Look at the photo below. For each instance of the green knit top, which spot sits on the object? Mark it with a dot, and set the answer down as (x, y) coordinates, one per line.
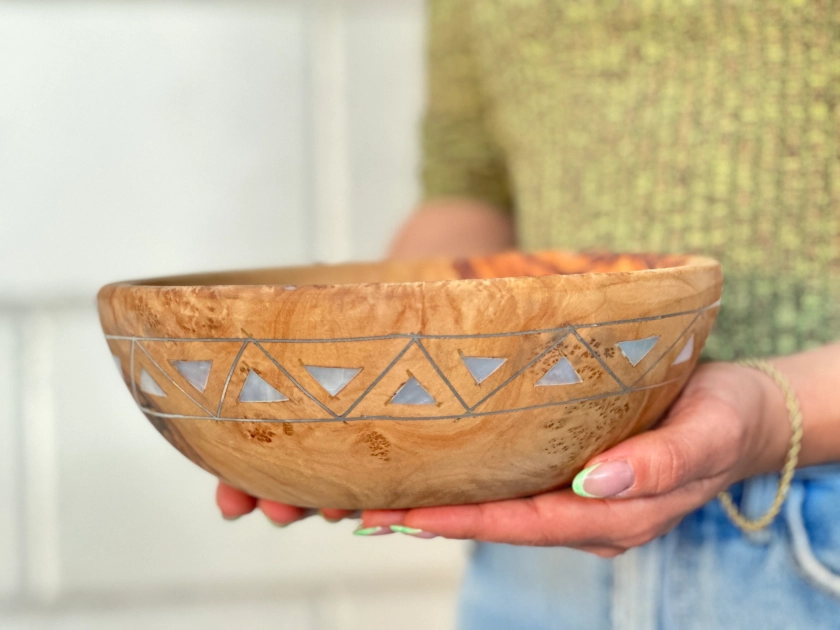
(705, 126)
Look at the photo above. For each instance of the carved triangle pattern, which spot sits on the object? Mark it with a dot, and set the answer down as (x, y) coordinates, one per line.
(256, 390)
(332, 379)
(482, 368)
(562, 373)
(567, 370)
(339, 374)
(149, 385)
(633, 351)
(201, 372)
(406, 376)
(259, 388)
(412, 393)
(501, 359)
(686, 353)
(195, 372)
(121, 353)
(637, 349)
(412, 386)
(155, 390)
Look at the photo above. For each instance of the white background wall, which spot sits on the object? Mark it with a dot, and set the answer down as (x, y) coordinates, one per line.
(141, 138)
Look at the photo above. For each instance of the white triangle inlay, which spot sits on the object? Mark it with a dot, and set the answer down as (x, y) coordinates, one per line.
(636, 350)
(412, 393)
(196, 372)
(256, 390)
(482, 367)
(561, 373)
(148, 385)
(686, 353)
(332, 379)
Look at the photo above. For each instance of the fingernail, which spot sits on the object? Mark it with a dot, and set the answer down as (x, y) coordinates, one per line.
(327, 518)
(231, 518)
(604, 480)
(276, 524)
(412, 531)
(372, 531)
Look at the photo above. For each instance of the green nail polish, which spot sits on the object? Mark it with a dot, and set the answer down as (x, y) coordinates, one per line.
(577, 484)
(412, 531)
(402, 529)
(371, 531)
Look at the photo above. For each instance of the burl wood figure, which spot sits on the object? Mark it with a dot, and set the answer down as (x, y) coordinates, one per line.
(415, 383)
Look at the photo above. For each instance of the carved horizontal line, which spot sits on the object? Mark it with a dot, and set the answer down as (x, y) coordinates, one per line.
(417, 336)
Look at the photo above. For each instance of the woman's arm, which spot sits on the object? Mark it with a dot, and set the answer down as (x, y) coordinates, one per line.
(815, 376)
(453, 227)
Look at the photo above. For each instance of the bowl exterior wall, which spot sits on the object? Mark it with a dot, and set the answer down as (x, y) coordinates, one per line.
(391, 396)
(402, 464)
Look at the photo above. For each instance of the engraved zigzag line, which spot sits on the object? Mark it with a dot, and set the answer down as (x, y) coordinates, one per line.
(598, 358)
(229, 376)
(379, 378)
(292, 379)
(443, 376)
(413, 338)
(522, 370)
(671, 347)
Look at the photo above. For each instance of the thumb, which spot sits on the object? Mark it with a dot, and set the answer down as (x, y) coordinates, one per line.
(686, 448)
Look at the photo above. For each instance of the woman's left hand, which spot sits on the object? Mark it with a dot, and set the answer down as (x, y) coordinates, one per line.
(728, 424)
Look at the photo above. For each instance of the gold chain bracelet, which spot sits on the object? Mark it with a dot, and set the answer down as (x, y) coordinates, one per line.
(795, 414)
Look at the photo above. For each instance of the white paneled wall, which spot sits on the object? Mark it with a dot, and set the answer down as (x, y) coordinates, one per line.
(143, 138)
(11, 566)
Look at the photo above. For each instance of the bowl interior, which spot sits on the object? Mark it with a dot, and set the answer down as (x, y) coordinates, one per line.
(504, 265)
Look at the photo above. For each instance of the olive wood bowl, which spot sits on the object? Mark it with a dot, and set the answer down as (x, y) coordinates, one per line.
(401, 384)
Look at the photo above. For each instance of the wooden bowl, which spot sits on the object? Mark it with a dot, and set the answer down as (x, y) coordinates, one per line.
(414, 383)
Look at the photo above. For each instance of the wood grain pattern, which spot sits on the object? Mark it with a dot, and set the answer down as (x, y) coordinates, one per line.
(503, 437)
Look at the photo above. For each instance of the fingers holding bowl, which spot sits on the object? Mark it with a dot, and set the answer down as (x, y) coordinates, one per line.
(233, 503)
(282, 515)
(332, 515)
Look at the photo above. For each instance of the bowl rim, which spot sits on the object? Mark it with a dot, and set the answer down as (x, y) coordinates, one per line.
(193, 283)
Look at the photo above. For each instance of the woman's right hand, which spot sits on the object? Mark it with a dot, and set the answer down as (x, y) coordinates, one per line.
(234, 503)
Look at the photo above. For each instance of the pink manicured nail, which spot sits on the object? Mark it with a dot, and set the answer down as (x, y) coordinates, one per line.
(604, 480)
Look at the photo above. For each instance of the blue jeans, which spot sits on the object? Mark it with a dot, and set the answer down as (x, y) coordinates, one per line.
(703, 575)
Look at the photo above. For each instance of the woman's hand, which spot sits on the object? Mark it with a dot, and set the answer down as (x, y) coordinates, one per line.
(729, 423)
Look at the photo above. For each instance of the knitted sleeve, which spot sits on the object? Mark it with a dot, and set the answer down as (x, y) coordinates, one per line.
(460, 156)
